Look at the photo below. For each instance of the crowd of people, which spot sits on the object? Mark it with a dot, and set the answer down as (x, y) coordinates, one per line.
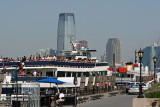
(48, 58)
(31, 58)
(33, 73)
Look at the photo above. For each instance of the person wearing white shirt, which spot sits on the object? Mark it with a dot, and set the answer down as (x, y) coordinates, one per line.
(61, 98)
(54, 58)
(34, 73)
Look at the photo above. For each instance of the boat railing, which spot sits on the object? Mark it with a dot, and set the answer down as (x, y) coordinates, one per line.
(46, 63)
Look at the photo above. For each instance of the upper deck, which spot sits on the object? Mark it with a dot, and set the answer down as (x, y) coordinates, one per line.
(50, 63)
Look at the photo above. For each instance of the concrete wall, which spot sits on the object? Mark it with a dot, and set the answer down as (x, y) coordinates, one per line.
(146, 102)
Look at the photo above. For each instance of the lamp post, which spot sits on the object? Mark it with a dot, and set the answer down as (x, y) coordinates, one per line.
(154, 60)
(75, 83)
(140, 54)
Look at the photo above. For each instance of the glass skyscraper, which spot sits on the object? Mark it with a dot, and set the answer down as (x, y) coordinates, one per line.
(113, 47)
(65, 32)
(149, 53)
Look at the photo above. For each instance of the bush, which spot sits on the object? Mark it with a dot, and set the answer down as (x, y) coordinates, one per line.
(153, 92)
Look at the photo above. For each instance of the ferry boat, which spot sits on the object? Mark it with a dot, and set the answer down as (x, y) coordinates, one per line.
(73, 66)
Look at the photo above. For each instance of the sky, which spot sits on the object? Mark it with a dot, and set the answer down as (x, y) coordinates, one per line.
(29, 25)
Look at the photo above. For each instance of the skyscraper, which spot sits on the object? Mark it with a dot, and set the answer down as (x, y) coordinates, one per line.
(66, 32)
(149, 53)
(113, 47)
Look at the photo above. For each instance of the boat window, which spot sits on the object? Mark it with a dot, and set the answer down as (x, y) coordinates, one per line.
(49, 74)
(102, 73)
(105, 72)
(74, 74)
(102, 64)
(86, 74)
(79, 74)
(94, 73)
(68, 74)
(61, 74)
(84, 54)
(29, 74)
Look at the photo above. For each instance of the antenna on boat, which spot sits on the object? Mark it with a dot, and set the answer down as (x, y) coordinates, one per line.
(73, 45)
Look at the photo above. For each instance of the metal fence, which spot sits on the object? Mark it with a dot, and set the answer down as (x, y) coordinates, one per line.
(28, 96)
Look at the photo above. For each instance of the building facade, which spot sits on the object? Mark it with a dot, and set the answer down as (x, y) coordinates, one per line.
(113, 47)
(149, 53)
(66, 32)
(41, 52)
(81, 44)
(103, 58)
(50, 52)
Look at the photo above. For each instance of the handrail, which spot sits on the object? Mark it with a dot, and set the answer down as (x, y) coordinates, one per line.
(34, 63)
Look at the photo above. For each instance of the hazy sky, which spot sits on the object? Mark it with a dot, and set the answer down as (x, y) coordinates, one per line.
(29, 25)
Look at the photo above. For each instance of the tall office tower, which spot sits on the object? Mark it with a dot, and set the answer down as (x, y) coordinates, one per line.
(149, 53)
(81, 43)
(113, 47)
(66, 32)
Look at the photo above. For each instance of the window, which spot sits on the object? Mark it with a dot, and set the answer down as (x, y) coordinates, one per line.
(86, 74)
(49, 74)
(61, 74)
(68, 74)
(79, 74)
(74, 74)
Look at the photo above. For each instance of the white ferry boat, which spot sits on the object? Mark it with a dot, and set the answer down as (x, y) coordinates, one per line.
(81, 64)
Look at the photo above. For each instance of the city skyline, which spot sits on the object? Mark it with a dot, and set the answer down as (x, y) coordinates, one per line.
(27, 26)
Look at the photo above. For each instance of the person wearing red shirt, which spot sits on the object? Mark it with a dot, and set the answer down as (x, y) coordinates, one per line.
(106, 85)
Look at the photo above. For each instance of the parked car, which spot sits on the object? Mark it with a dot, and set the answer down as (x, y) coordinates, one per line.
(133, 89)
(130, 84)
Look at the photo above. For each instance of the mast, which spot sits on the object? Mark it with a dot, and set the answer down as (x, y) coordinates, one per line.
(135, 57)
